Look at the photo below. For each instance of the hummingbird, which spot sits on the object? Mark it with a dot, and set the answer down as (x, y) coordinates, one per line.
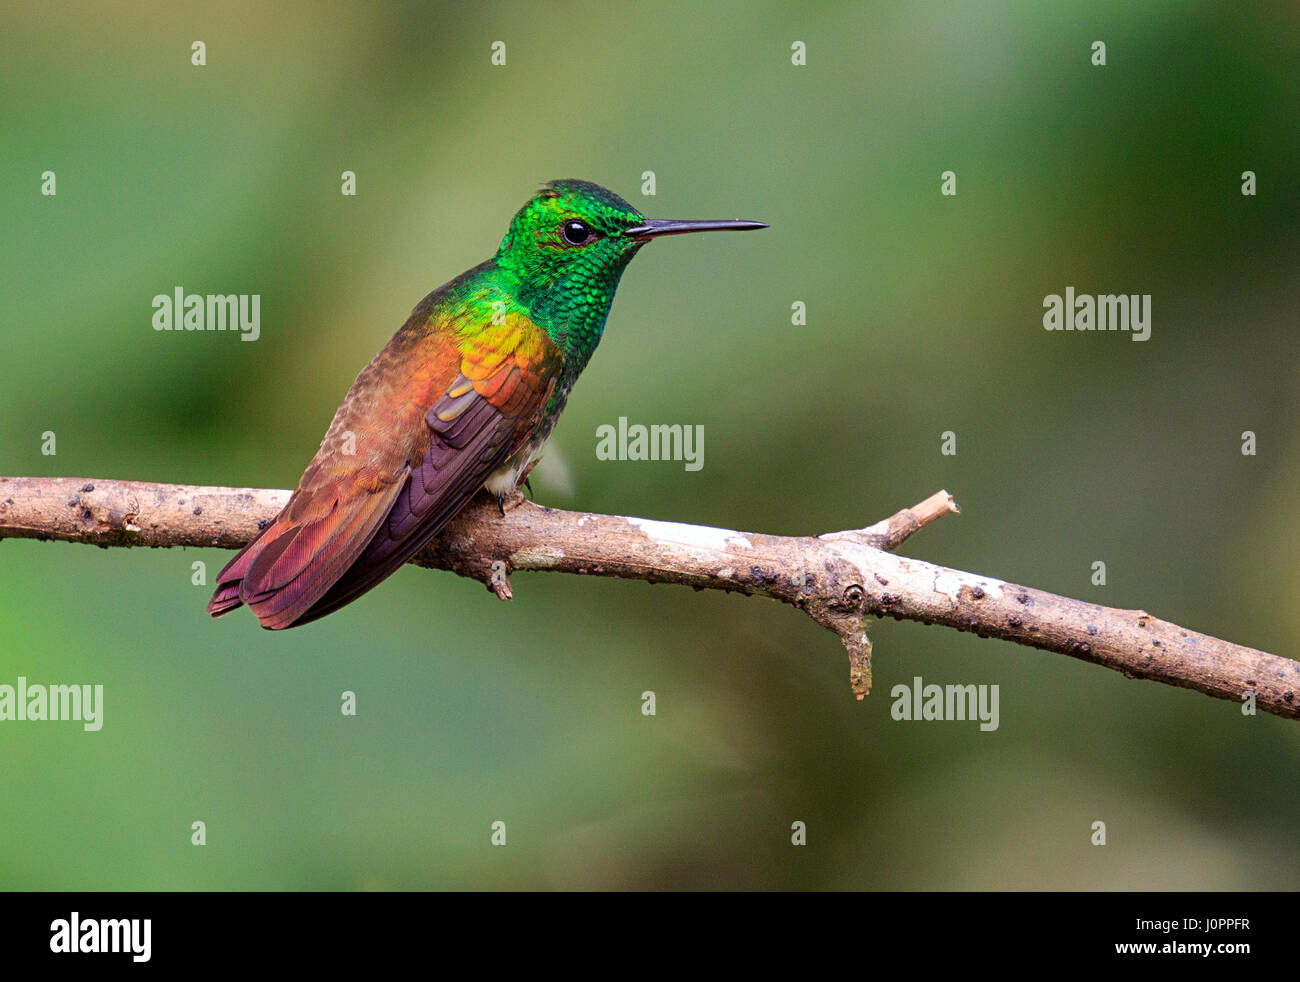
(461, 398)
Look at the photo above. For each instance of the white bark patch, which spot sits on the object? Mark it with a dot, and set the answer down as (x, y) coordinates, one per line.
(695, 536)
(903, 574)
(879, 528)
(948, 583)
(538, 558)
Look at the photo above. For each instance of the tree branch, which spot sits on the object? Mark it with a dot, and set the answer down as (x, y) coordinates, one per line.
(839, 579)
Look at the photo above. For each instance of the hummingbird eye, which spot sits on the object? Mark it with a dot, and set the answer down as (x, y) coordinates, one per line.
(576, 232)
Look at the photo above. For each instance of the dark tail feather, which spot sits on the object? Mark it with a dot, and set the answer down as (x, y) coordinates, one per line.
(225, 600)
(298, 557)
(226, 597)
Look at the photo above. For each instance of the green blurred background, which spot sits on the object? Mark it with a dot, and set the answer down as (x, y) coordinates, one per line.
(924, 315)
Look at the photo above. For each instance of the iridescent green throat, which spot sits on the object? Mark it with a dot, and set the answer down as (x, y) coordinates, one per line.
(563, 287)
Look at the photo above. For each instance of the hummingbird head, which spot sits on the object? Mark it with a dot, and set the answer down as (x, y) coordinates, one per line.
(569, 245)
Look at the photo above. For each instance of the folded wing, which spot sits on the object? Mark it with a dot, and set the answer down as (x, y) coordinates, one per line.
(355, 519)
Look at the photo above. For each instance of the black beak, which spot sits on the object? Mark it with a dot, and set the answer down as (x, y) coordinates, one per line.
(652, 228)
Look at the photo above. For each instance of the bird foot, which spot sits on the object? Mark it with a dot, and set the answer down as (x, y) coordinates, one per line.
(508, 501)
